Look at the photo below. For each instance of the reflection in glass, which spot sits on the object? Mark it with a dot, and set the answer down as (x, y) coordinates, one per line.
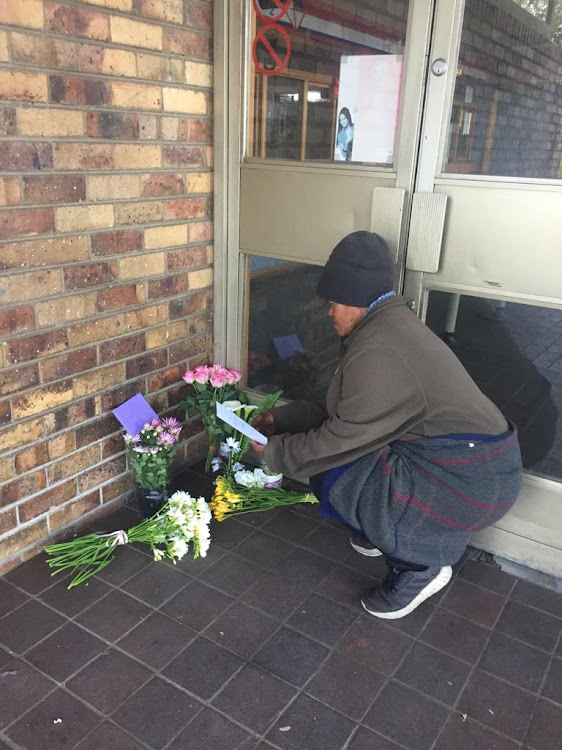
(507, 107)
(514, 353)
(345, 57)
(292, 344)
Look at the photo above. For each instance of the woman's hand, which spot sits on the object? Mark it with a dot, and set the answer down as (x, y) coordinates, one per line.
(265, 424)
(258, 447)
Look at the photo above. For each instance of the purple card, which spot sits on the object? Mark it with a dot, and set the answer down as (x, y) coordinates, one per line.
(286, 346)
(135, 413)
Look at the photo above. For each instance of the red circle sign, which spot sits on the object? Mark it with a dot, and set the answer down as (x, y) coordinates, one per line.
(283, 6)
(280, 63)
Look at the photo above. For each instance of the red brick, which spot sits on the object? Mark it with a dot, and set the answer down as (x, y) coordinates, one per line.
(74, 90)
(179, 308)
(18, 379)
(183, 350)
(114, 243)
(22, 156)
(164, 184)
(112, 446)
(25, 222)
(147, 363)
(187, 43)
(46, 500)
(99, 474)
(68, 364)
(70, 416)
(83, 156)
(8, 521)
(200, 130)
(201, 231)
(16, 320)
(159, 380)
(8, 122)
(54, 189)
(200, 324)
(183, 156)
(119, 297)
(187, 257)
(31, 458)
(79, 22)
(5, 413)
(117, 396)
(44, 52)
(93, 431)
(199, 15)
(23, 538)
(185, 208)
(121, 348)
(112, 125)
(93, 274)
(168, 287)
(21, 488)
(33, 347)
(73, 464)
(74, 511)
(119, 486)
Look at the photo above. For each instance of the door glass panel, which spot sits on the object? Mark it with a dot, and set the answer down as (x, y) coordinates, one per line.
(334, 95)
(514, 353)
(291, 343)
(506, 115)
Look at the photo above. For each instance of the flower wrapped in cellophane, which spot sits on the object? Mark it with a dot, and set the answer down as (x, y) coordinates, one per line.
(181, 522)
(231, 498)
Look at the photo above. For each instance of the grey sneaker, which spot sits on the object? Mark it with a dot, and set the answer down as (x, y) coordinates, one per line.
(404, 590)
(362, 545)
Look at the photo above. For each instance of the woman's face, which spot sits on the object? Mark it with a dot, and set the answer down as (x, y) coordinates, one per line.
(344, 122)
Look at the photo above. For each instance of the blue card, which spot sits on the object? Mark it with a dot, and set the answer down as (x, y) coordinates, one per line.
(135, 413)
(286, 346)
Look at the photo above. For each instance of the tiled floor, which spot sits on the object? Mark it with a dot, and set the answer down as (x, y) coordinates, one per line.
(263, 645)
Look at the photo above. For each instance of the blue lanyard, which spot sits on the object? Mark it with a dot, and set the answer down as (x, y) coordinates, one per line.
(378, 301)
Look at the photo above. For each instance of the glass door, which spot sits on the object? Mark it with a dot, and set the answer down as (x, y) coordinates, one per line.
(488, 275)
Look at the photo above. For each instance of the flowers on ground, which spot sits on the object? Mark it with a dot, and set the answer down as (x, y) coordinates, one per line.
(151, 452)
(182, 521)
(231, 499)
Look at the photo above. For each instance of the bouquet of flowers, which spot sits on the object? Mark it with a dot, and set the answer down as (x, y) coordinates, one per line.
(184, 520)
(231, 498)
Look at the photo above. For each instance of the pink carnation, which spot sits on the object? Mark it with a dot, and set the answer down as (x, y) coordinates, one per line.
(201, 374)
(188, 376)
(233, 376)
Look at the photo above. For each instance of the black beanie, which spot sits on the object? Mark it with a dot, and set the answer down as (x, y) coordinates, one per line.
(358, 271)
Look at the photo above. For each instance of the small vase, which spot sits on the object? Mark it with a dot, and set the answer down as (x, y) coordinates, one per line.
(150, 501)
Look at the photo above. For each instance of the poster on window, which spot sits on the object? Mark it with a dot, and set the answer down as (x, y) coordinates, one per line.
(368, 99)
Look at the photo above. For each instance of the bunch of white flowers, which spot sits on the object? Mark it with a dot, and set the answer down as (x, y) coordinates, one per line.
(257, 478)
(190, 518)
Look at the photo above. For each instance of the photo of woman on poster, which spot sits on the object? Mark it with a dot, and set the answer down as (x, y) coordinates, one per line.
(344, 141)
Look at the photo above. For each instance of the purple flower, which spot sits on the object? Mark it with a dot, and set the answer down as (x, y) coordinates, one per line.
(238, 466)
(164, 438)
(156, 422)
(215, 464)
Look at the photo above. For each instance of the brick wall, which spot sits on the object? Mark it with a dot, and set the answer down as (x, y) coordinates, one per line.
(105, 244)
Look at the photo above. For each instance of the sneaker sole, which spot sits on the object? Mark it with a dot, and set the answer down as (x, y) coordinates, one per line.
(439, 582)
(367, 552)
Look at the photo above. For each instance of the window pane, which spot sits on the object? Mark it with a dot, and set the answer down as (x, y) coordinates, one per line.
(292, 344)
(337, 97)
(514, 353)
(506, 116)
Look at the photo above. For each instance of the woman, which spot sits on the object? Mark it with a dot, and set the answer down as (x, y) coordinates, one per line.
(406, 450)
(345, 134)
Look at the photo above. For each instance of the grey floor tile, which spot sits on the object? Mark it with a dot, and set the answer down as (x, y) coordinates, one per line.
(365, 739)
(156, 640)
(374, 567)
(197, 605)
(539, 597)
(156, 713)
(70, 602)
(20, 688)
(256, 520)
(209, 730)
(195, 566)
(455, 635)
(552, 688)
(290, 526)
(291, 656)
(254, 698)
(127, 563)
(109, 680)
(305, 568)
(544, 731)
(416, 621)
(34, 575)
(156, 583)
(65, 652)
(329, 542)
(346, 587)
(406, 716)
(22, 628)
(242, 630)
(202, 668)
(515, 662)
(264, 550)
(275, 595)
(473, 602)
(434, 673)
(232, 574)
(322, 619)
(346, 685)
(10, 597)
(530, 625)
(113, 615)
(40, 727)
(372, 643)
(229, 533)
(499, 705)
(487, 576)
(467, 734)
(313, 726)
(109, 737)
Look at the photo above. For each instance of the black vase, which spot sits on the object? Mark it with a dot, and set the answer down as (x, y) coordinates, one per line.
(150, 501)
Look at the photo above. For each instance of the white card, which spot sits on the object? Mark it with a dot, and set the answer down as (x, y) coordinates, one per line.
(238, 423)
